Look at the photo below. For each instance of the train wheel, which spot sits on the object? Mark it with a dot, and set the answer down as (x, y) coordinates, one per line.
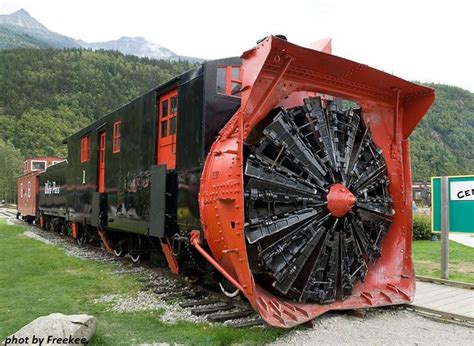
(136, 249)
(81, 239)
(194, 279)
(120, 250)
(63, 229)
(136, 258)
(231, 293)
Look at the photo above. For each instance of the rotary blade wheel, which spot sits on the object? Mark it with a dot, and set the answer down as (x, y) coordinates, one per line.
(316, 201)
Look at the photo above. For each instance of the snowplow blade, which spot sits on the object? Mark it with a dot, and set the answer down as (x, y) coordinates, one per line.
(310, 225)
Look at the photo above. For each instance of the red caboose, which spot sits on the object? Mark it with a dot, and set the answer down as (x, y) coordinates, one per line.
(28, 186)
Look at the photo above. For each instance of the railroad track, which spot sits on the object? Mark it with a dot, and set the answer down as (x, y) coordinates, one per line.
(202, 301)
(438, 313)
(451, 283)
(7, 213)
(218, 308)
(442, 315)
(214, 306)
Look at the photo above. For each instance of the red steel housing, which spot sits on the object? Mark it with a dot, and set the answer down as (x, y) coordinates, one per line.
(274, 72)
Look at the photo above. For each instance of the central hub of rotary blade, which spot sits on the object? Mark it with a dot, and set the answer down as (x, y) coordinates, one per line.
(340, 200)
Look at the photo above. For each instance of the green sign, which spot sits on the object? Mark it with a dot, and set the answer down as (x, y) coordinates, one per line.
(461, 203)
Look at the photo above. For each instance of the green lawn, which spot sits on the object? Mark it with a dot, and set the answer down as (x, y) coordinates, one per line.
(427, 258)
(38, 279)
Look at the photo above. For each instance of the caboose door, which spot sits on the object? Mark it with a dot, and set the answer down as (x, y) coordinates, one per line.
(167, 123)
(101, 163)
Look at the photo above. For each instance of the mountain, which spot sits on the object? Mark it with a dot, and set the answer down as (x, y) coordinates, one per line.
(23, 19)
(21, 30)
(138, 46)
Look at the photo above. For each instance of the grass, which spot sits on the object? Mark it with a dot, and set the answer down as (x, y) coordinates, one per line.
(427, 259)
(38, 279)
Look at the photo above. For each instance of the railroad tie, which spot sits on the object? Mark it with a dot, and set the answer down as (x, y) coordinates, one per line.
(211, 309)
(249, 323)
(200, 302)
(229, 316)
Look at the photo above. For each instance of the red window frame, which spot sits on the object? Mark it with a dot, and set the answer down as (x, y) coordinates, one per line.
(85, 149)
(116, 137)
(229, 80)
(167, 128)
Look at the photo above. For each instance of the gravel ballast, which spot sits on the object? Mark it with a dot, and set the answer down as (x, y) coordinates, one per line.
(379, 327)
(148, 301)
(145, 300)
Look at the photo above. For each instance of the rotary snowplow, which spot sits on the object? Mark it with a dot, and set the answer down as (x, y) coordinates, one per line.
(305, 199)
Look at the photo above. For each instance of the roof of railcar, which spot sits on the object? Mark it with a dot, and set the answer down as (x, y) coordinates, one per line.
(99, 121)
(160, 88)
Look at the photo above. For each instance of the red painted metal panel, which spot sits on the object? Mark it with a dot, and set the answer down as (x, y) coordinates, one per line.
(74, 230)
(28, 186)
(170, 257)
(85, 148)
(166, 127)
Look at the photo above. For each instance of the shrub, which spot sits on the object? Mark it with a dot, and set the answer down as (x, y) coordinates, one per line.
(421, 227)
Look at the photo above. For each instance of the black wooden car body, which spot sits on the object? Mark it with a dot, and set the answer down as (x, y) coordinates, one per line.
(139, 195)
(52, 192)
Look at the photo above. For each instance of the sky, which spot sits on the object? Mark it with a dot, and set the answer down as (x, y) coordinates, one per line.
(427, 41)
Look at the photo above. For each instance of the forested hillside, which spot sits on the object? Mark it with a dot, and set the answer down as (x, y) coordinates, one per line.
(48, 94)
(443, 143)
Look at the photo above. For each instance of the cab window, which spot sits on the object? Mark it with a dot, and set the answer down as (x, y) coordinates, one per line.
(229, 80)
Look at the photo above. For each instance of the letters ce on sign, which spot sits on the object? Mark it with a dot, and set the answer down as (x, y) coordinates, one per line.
(462, 191)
